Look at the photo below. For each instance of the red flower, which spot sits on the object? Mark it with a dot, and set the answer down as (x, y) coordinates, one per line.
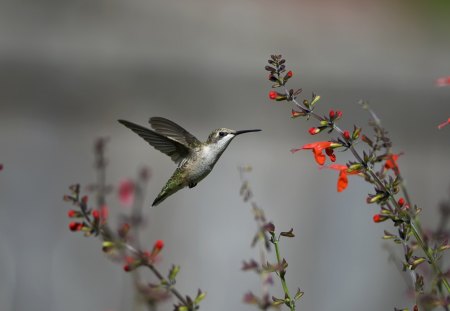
(273, 95)
(96, 214)
(317, 149)
(104, 213)
(444, 124)
(346, 135)
(378, 218)
(72, 213)
(343, 172)
(332, 114)
(391, 163)
(330, 154)
(158, 245)
(314, 130)
(75, 226)
(126, 193)
(295, 113)
(444, 81)
(290, 74)
(401, 202)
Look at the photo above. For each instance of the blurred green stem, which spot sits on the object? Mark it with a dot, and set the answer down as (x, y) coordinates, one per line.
(288, 299)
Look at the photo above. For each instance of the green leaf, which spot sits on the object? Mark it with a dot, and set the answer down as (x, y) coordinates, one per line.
(200, 297)
(288, 234)
(298, 295)
(173, 272)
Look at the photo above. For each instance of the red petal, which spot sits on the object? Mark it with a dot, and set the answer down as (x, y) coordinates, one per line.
(338, 167)
(342, 181)
(317, 145)
(319, 156)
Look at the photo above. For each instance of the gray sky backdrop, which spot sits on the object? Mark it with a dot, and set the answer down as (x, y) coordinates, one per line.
(70, 68)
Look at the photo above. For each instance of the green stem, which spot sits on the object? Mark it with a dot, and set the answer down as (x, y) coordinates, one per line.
(417, 234)
(289, 301)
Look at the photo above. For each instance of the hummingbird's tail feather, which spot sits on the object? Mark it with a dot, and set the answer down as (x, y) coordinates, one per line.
(174, 184)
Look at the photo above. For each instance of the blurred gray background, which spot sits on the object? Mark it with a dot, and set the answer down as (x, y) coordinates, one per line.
(70, 68)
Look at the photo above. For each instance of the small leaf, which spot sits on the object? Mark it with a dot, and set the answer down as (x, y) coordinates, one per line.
(277, 301)
(200, 297)
(443, 248)
(298, 295)
(173, 272)
(288, 234)
(315, 99)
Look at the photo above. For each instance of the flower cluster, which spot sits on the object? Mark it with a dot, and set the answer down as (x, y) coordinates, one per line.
(377, 165)
(266, 237)
(123, 243)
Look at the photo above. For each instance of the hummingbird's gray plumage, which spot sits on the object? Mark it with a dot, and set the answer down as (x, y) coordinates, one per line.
(195, 159)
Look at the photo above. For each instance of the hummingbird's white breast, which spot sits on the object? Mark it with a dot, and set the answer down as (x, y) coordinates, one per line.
(200, 165)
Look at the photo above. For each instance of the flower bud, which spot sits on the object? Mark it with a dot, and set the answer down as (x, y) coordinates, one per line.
(332, 114)
(378, 218)
(273, 95)
(314, 130)
(346, 135)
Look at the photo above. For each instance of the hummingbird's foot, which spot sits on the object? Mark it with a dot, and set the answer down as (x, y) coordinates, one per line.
(192, 184)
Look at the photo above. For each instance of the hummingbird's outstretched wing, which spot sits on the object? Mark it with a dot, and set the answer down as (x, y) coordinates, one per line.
(174, 149)
(174, 131)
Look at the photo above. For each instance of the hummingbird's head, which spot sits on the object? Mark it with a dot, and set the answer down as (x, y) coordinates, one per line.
(223, 136)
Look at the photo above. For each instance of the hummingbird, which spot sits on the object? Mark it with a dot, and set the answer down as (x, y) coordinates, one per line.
(195, 159)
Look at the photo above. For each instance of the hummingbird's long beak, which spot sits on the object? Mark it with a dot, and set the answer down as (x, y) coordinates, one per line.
(245, 131)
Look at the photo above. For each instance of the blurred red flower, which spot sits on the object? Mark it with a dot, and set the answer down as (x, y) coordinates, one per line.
(444, 123)
(126, 193)
(443, 81)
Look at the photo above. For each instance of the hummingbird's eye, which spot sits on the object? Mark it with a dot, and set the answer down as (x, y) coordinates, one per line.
(223, 134)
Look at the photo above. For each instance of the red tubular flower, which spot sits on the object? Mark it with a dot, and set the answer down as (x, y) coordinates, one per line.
(378, 218)
(401, 202)
(346, 135)
(75, 226)
(126, 193)
(273, 95)
(295, 113)
(314, 130)
(104, 213)
(444, 81)
(290, 74)
(332, 114)
(343, 172)
(72, 213)
(444, 124)
(158, 245)
(96, 214)
(317, 149)
(391, 163)
(330, 153)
